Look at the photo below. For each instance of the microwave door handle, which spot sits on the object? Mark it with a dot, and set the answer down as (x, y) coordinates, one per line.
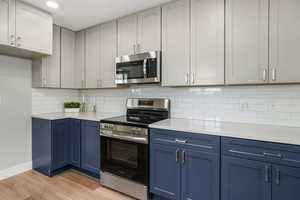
(145, 68)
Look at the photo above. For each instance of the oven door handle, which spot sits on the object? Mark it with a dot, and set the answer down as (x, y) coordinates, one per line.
(127, 138)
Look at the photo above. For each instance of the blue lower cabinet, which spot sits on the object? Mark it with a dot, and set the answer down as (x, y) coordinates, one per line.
(41, 145)
(285, 183)
(200, 175)
(245, 179)
(184, 166)
(90, 146)
(74, 142)
(165, 171)
(60, 144)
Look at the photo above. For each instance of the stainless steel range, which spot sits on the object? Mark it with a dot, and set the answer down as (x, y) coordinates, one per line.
(124, 146)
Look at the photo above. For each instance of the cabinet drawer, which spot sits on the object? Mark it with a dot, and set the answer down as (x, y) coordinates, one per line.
(202, 142)
(263, 151)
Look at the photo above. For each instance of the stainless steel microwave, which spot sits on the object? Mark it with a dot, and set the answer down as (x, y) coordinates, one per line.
(139, 68)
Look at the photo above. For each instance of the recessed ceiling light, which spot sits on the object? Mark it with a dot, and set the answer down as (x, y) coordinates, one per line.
(52, 4)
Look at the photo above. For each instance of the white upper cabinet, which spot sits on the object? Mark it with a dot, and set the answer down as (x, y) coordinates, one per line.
(92, 57)
(79, 72)
(108, 53)
(284, 41)
(149, 30)
(67, 58)
(247, 41)
(140, 32)
(46, 70)
(127, 35)
(207, 42)
(176, 43)
(6, 35)
(33, 29)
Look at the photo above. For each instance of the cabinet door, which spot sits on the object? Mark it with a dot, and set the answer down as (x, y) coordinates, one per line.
(92, 57)
(200, 175)
(127, 35)
(60, 147)
(286, 183)
(52, 79)
(149, 30)
(246, 41)
(90, 146)
(74, 140)
(80, 60)
(67, 58)
(4, 23)
(245, 179)
(207, 42)
(33, 29)
(176, 43)
(108, 53)
(165, 171)
(284, 41)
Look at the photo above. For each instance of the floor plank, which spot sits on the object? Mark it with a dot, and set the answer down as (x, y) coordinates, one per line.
(70, 185)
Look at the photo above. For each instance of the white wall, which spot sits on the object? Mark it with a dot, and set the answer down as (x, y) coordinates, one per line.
(279, 105)
(15, 111)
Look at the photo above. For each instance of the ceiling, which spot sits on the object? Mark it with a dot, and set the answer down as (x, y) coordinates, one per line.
(79, 14)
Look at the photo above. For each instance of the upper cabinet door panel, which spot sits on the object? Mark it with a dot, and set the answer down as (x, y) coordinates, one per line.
(80, 60)
(176, 43)
(149, 30)
(53, 62)
(246, 41)
(127, 35)
(33, 29)
(207, 46)
(284, 41)
(108, 53)
(92, 57)
(4, 22)
(67, 58)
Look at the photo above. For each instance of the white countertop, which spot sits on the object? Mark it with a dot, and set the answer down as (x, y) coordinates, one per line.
(268, 133)
(93, 116)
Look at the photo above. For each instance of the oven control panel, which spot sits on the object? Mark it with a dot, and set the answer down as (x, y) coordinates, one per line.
(124, 132)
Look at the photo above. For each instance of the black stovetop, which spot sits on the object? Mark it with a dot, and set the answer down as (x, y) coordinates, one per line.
(139, 118)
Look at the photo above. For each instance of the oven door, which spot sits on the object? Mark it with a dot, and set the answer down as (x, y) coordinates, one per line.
(125, 159)
(140, 68)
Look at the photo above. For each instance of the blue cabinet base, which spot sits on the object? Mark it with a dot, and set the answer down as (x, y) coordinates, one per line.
(68, 167)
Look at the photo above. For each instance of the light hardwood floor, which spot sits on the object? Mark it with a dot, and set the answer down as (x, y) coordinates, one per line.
(69, 185)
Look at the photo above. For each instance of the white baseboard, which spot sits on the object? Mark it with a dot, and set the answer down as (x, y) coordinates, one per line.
(18, 169)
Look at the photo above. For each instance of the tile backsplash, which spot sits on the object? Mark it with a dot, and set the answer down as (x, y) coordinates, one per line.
(51, 100)
(278, 105)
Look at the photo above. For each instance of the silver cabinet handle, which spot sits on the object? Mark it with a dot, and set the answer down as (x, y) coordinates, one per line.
(134, 49)
(145, 68)
(265, 75)
(187, 78)
(12, 41)
(267, 173)
(273, 74)
(277, 176)
(193, 78)
(183, 157)
(138, 48)
(177, 155)
(180, 141)
(272, 155)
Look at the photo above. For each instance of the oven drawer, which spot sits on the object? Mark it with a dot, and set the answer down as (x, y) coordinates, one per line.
(263, 151)
(201, 142)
